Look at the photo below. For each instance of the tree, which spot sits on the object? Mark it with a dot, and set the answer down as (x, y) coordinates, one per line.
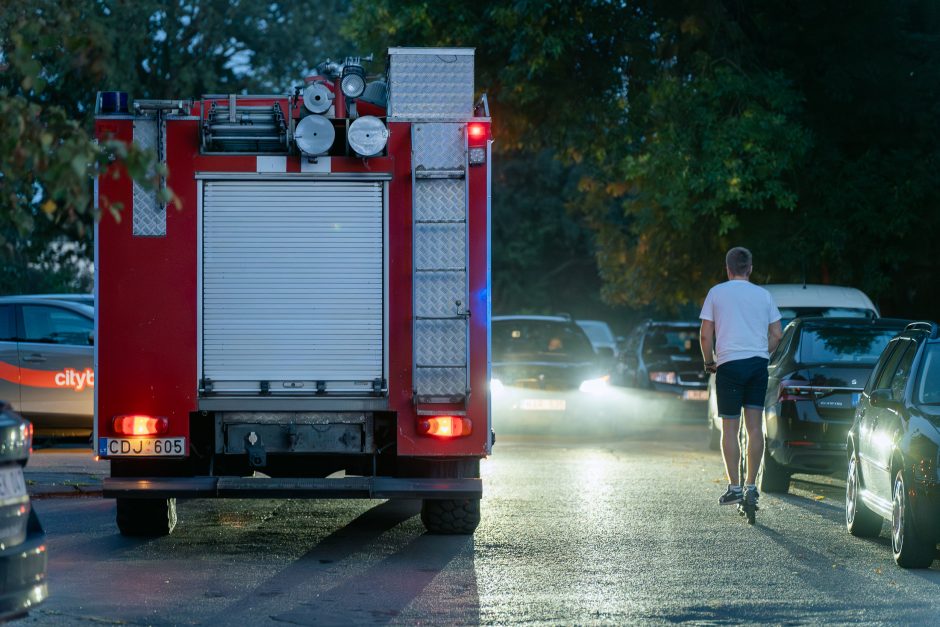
(57, 56)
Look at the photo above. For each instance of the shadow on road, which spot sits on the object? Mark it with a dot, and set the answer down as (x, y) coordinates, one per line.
(306, 591)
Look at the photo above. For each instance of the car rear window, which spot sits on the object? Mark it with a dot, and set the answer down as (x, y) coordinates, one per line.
(662, 342)
(844, 344)
(521, 339)
(787, 314)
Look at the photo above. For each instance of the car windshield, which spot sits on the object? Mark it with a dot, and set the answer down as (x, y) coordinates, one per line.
(539, 339)
(860, 345)
(787, 314)
(662, 342)
(597, 331)
(928, 384)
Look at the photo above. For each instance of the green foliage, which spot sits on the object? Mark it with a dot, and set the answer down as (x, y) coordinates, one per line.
(56, 56)
(803, 130)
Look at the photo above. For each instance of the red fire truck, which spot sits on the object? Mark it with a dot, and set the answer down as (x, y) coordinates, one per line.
(313, 321)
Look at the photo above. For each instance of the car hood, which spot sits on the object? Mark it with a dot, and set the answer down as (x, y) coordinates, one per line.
(546, 375)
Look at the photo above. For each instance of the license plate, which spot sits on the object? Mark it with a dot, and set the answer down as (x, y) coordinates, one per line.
(695, 395)
(12, 484)
(543, 404)
(142, 447)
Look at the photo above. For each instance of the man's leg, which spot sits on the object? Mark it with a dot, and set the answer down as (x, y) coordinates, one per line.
(754, 423)
(730, 449)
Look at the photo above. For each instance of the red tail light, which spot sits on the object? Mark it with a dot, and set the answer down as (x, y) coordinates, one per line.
(800, 391)
(137, 424)
(445, 426)
(476, 132)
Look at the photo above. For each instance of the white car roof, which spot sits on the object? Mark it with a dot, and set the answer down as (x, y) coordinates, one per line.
(797, 295)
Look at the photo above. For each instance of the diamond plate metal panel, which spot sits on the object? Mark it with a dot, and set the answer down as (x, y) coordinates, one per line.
(439, 146)
(430, 85)
(440, 247)
(440, 199)
(441, 342)
(437, 293)
(441, 381)
(148, 213)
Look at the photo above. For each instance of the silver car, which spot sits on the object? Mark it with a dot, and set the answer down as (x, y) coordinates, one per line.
(47, 363)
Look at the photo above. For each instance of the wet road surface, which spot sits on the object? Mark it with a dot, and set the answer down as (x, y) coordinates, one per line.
(613, 528)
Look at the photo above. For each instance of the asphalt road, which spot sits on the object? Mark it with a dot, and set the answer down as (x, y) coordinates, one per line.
(620, 527)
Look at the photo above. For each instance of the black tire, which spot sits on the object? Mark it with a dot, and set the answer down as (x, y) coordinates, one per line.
(450, 516)
(910, 548)
(149, 518)
(860, 521)
(773, 477)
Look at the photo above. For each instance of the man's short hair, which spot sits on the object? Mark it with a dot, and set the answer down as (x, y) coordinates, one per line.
(739, 261)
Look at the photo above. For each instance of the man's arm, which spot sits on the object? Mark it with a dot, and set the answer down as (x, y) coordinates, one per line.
(774, 333)
(706, 340)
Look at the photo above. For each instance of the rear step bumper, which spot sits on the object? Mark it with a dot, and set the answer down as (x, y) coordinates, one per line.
(267, 488)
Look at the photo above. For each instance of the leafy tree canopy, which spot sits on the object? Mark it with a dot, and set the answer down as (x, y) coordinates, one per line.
(803, 130)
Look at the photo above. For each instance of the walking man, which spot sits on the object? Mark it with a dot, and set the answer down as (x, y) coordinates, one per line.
(740, 328)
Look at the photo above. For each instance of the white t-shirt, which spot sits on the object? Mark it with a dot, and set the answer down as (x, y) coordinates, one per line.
(741, 312)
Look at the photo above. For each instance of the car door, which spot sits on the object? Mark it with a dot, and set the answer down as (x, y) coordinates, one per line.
(56, 359)
(9, 359)
(883, 422)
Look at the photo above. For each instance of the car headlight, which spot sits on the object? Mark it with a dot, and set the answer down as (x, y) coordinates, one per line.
(496, 385)
(663, 377)
(595, 385)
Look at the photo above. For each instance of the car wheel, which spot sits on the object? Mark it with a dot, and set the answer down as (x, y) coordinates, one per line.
(859, 520)
(146, 517)
(450, 516)
(910, 548)
(773, 477)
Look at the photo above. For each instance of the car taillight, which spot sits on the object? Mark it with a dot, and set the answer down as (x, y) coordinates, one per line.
(445, 426)
(663, 377)
(137, 424)
(800, 391)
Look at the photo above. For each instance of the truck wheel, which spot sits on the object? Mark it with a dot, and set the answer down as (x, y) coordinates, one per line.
(773, 477)
(450, 516)
(146, 517)
(911, 549)
(859, 520)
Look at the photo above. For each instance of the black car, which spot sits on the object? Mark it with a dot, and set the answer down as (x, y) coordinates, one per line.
(816, 377)
(22, 540)
(893, 449)
(665, 357)
(545, 364)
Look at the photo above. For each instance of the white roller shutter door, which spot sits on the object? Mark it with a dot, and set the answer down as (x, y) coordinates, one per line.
(292, 285)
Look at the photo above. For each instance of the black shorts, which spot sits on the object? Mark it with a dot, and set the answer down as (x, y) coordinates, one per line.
(740, 383)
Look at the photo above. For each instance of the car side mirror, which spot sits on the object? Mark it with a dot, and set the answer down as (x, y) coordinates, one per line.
(882, 398)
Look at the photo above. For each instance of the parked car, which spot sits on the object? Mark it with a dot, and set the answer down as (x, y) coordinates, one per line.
(545, 365)
(47, 363)
(794, 301)
(893, 448)
(816, 377)
(22, 539)
(81, 299)
(664, 357)
(601, 336)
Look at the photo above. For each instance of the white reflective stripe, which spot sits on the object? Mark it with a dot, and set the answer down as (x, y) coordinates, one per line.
(292, 280)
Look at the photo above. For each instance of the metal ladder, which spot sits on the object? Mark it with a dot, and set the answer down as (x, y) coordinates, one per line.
(440, 260)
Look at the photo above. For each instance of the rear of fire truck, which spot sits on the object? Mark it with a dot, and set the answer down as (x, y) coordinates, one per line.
(312, 321)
